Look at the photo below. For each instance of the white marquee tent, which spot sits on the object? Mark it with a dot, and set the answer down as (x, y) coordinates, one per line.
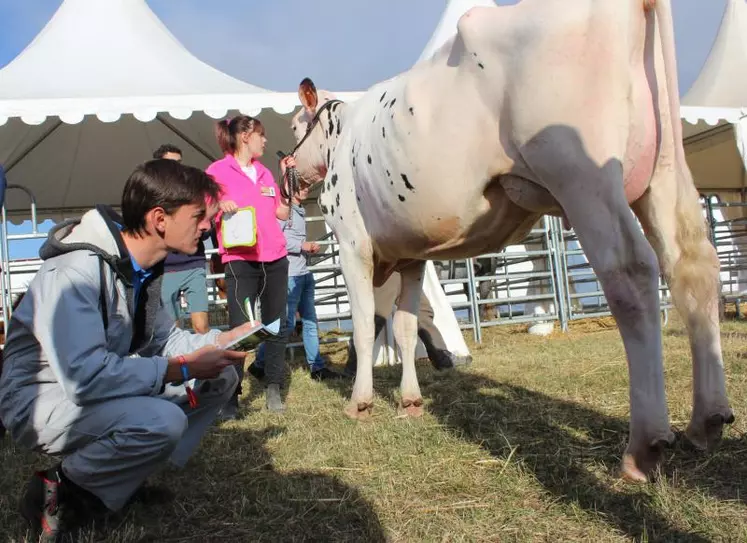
(715, 108)
(98, 89)
(715, 136)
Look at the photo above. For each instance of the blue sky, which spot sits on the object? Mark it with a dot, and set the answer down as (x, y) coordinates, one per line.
(342, 44)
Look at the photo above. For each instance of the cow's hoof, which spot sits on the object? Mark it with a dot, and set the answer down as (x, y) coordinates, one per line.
(359, 410)
(637, 464)
(410, 408)
(705, 433)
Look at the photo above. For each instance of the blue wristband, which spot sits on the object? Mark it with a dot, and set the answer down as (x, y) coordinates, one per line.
(185, 371)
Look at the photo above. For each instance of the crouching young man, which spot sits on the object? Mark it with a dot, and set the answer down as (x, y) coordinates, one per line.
(95, 371)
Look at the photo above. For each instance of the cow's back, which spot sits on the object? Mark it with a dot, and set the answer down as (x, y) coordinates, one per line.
(430, 143)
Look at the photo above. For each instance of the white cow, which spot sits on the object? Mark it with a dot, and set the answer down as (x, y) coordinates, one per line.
(563, 107)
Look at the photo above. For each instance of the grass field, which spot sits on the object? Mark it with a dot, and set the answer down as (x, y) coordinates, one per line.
(521, 446)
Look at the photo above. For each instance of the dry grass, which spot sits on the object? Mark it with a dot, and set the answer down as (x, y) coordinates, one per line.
(522, 446)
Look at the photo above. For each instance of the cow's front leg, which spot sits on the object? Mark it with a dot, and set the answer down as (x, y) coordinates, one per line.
(406, 334)
(356, 269)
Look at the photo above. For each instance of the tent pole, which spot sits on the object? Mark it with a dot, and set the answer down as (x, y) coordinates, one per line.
(186, 138)
(33, 146)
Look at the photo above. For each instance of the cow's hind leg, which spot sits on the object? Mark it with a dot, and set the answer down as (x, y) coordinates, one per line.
(358, 276)
(406, 333)
(672, 219)
(594, 201)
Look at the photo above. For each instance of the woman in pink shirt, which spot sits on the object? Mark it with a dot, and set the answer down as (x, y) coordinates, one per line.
(259, 270)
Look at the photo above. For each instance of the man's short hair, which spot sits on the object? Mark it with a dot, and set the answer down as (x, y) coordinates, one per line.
(166, 148)
(167, 184)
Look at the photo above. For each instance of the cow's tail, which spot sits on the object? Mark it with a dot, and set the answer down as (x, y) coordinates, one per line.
(693, 273)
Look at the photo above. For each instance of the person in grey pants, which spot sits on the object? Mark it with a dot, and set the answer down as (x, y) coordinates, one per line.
(95, 370)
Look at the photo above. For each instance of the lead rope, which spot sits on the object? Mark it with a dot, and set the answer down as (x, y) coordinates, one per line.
(291, 175)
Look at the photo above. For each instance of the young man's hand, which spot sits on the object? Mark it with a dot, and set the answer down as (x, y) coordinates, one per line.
(204, 363)
(225, 338)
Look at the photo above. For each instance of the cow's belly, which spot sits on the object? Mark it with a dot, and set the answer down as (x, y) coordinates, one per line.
(640, 154)
(471, 225)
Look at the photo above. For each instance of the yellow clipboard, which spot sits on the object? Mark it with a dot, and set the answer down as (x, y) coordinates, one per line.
(239, 229)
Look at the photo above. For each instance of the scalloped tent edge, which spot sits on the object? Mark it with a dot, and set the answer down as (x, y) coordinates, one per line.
(122, 86)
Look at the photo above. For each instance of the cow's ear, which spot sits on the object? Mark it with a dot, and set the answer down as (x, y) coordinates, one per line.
(307, 94)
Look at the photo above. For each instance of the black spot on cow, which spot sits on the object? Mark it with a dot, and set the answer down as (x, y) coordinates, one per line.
(334, 179)
(339, 126)
(331, 125)
(326, 186)
(382, 97)
(388, 174)
(383, 132)
(328, 154)
(481, 65)
(334, 106)
(369, 159)
(337, 200)
(474, 54)
(373, 120)
(358, 198)
(324, 209)
(401, 198)
(391, 183)
(353, 161)
(412, 111)
(392, 102)
(407, 183)
(332, 210)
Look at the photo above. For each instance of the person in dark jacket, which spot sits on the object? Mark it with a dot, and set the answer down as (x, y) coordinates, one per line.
(185, 274)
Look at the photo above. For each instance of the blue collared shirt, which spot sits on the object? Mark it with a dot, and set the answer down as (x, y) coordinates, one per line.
(139, 277)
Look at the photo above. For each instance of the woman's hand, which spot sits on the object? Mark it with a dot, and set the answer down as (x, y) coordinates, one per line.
(228, 206)
(310, 247)
(287, 162)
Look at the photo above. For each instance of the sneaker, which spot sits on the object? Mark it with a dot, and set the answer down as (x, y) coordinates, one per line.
(257, 372)
(53, 505)
(324, 373)
(273, 400)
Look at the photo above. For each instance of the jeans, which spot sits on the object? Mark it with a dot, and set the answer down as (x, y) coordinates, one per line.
(301, 299)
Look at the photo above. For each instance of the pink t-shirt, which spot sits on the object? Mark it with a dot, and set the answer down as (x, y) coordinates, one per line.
(264, 196)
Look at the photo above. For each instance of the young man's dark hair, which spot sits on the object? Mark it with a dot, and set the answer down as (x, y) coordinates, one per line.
(167, 184)
(166, 148)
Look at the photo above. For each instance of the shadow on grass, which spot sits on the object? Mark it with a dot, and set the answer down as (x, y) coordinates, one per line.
(229, 491)
(570, 449)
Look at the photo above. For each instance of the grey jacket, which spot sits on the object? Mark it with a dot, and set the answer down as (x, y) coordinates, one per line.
(60, 342)
(295, 236)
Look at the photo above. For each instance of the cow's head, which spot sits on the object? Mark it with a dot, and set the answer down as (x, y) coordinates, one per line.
(315, 128)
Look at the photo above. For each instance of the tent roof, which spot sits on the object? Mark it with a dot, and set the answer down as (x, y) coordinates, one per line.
(447, 25)
(113, 57)
(723, 80)
(75, 106)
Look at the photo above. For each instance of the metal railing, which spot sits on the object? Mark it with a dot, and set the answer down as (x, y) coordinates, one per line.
(549, 270)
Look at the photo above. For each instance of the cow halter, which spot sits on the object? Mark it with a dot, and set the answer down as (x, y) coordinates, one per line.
(291, 173)
(314, 122)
